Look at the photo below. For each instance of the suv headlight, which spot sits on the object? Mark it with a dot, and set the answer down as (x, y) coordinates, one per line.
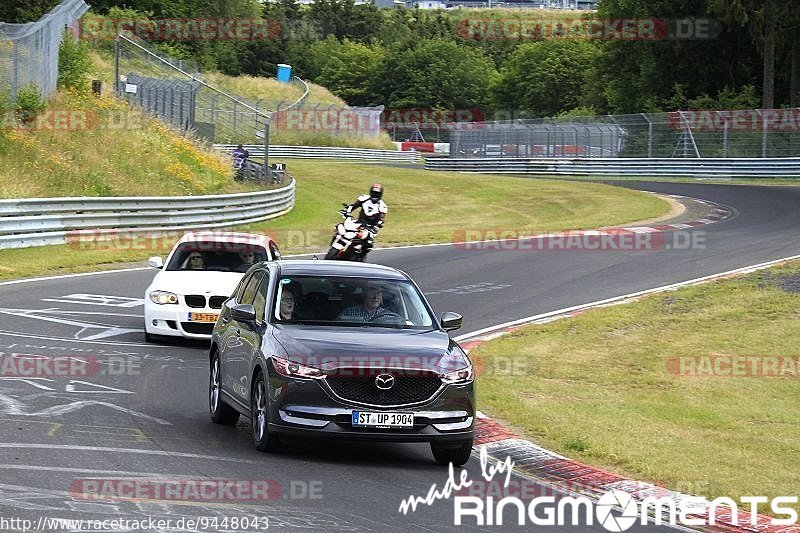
(458, 376)
(291, 369)
(163, 297)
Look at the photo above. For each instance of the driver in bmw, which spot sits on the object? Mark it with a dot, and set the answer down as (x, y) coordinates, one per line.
(370, 308)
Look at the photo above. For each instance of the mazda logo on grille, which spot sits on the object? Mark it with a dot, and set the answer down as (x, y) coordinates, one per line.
(384, 381)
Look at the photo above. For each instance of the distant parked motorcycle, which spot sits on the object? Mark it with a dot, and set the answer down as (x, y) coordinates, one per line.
(351, 239)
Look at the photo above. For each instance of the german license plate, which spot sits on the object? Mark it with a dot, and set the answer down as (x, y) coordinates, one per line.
(370, 419)
(203, 317)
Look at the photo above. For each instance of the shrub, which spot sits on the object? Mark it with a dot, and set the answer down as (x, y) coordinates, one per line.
(73, 63)
(29, 102)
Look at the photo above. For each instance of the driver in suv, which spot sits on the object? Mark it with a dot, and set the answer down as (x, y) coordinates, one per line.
(369, 309)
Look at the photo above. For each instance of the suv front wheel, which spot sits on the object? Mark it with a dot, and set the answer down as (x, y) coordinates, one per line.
(259, 418)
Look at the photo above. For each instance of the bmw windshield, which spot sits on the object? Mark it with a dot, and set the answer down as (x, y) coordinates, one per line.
(350, 302)
(214, 255)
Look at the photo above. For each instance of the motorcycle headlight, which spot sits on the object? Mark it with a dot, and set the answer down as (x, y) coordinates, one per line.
(291, 369)
(455, 377)
(163, 297)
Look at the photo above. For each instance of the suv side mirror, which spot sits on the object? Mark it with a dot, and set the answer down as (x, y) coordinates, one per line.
(243, 312)
(155, 262)
(451, 320)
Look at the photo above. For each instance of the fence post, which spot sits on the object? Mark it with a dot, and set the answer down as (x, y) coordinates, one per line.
(763, 134)
(649, 135)
(725, 139)
(116, 67)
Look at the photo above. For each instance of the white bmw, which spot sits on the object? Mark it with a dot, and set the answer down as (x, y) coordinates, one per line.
(201, 272)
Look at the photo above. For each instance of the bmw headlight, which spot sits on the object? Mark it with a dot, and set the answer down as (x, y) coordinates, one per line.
(163, 297)
(456, 377)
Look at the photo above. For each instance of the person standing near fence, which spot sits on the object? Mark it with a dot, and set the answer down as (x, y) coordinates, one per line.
(240, 156)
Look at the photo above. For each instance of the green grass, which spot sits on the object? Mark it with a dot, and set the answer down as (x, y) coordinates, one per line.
(423, 208)
(427, 207)
(119, 152)
(602, 387)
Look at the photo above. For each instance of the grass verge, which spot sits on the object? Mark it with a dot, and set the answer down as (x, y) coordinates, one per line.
(423, 208)
(426, 207)
(110, 149)
(614, 387)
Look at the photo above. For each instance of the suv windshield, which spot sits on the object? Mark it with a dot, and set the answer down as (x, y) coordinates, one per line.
(219, 256)
(345, 301)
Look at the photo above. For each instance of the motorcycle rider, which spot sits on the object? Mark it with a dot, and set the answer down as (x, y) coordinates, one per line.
(373, 212)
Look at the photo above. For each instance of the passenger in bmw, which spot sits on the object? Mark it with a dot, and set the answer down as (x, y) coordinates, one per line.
(248, 259)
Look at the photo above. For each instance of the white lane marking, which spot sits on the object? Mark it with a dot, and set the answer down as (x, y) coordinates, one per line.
(97, 299)
(33, 382)
(61, 410)
(63, 339)
(98, 388)
(139, 451)
(64, 276)
(521, 321)
(109, 330)
(90, 313)
(69, 386)
(9, 406)
(91, 471)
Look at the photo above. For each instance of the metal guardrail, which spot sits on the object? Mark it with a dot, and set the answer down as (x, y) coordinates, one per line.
(327, 152)
(46, 221)
(299, 101)
(690, 168)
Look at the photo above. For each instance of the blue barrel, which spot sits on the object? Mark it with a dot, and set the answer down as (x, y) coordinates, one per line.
(284, 72)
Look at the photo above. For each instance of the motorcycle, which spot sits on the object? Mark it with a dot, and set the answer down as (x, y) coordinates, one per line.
(350, 239)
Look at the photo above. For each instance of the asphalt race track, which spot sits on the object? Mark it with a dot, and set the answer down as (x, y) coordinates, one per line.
(141, 410)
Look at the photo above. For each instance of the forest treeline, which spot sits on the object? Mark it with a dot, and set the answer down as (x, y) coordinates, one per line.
(681, 54)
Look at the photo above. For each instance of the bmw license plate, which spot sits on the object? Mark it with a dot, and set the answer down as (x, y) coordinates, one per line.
(203, 317)
(369, 419)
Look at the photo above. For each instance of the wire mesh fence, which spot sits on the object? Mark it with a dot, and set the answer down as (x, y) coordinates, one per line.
(173, 90)
(678, 134)
(176, 92)
(29, 52)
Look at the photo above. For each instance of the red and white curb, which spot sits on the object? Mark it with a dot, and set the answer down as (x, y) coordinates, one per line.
(572, 476)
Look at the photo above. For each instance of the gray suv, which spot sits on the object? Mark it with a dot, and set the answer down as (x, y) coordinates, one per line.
(340, 350)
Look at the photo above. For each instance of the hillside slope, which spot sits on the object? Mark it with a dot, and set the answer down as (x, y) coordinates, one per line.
(82, 145)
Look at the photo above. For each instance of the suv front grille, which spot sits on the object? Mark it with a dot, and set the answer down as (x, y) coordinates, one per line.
(410, 387)
(195, 300)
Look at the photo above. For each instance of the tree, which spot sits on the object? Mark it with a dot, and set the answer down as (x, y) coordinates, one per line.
(546, 77)
(19, 12)
(348, 69)
(771, 23)
(435, 74)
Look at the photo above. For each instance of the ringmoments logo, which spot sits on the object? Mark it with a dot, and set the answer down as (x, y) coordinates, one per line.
(617, 510)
